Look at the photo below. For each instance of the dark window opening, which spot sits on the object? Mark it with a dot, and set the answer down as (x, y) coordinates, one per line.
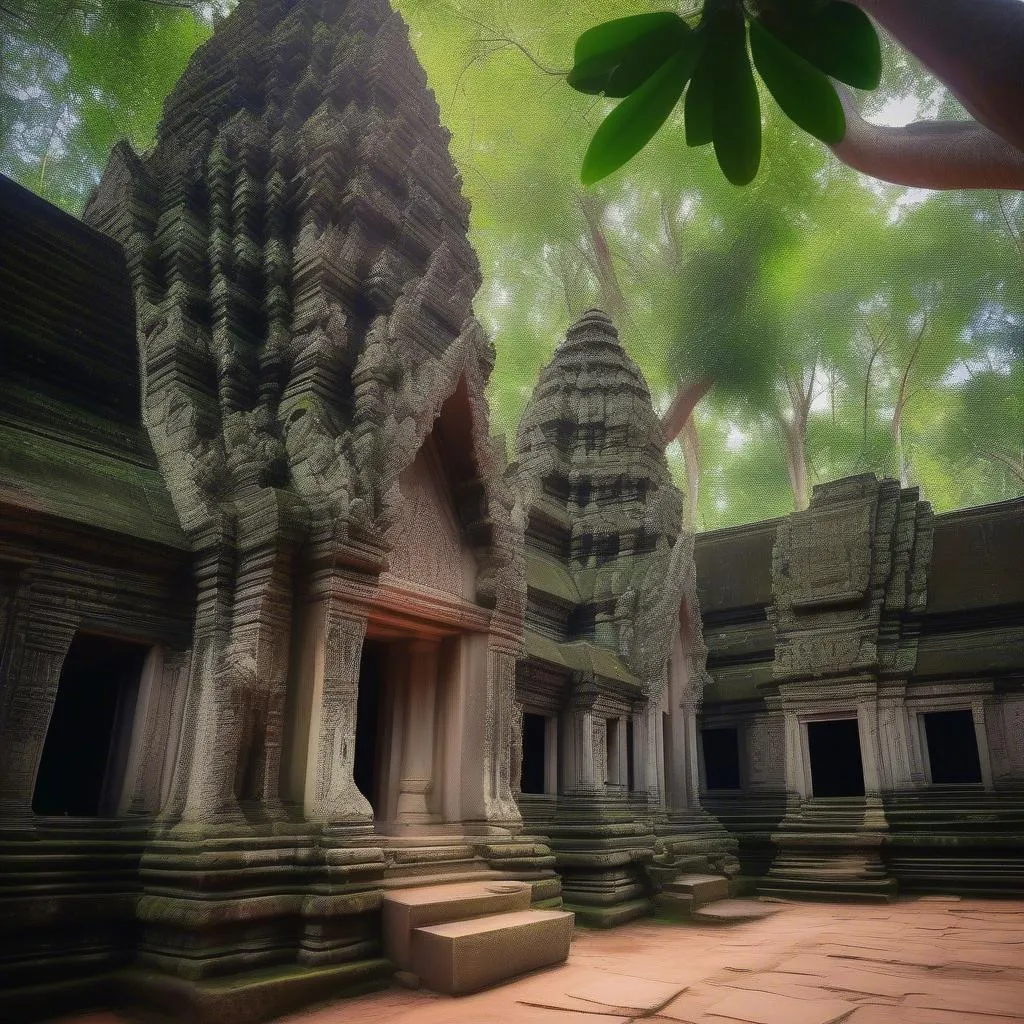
(607, 548)
(372, 672)
(721, 758)
(630, 776)
(583, 493)
(836, 768)
(251, 765)
(582, 623)
(611, 740)
(534, 753)
(952, 747)
(585, 545)
(85, 751)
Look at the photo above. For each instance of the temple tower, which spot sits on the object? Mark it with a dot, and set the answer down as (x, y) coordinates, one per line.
(312, 384)
(607, 568)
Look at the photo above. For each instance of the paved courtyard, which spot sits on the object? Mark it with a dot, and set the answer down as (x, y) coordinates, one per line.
(933, 960)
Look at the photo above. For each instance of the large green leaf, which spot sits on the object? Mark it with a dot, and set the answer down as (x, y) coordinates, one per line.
(697, 108)
(805, 94)
(632, 124)
(736, 109)
(839, 39)
(619, 56)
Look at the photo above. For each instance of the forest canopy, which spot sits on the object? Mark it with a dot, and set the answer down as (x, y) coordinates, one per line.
(830, 323)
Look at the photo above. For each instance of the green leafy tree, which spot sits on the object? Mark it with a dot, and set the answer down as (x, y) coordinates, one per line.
(807, 52)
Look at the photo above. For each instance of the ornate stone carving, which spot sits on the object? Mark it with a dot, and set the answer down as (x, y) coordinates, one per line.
(297, 245)
(847, 572)
(596, 489)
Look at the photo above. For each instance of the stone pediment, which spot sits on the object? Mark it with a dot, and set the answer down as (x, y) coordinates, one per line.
(428, 546)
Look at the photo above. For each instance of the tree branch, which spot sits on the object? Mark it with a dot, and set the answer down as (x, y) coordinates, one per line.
(901, 395)
(928, 154)
(682, 407)
(973, 47)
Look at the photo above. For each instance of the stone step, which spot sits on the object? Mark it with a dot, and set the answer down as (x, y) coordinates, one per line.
(405, 910)
(676, 905)
(464, 956)
(702, 888)
(734, 911)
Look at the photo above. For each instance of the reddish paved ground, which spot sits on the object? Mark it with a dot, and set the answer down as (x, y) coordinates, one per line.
(927, 961)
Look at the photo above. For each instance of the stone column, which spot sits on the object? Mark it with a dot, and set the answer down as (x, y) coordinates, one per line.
(38, 642)
(689, 707)
(797, 785)
(330, 793)
(580, 776)
(643, 738)
(419, 689)
(894, 742)
(867, 727)
(981, 734)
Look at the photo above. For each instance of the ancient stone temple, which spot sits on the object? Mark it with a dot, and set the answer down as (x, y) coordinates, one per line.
(302, 684)
(297, 583)
(607, 691)
(866, 663)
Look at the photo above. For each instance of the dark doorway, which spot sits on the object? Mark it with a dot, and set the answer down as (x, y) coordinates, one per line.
(721, 758)
(952, 747)
(89, 728)
(534, 752)
(836, 767)
(372, 675)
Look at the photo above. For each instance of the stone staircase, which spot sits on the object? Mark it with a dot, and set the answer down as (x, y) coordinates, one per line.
(463, 936)
(697, 893)
(831, 848)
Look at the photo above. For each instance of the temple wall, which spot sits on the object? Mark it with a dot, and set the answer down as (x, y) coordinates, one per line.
(953, 658)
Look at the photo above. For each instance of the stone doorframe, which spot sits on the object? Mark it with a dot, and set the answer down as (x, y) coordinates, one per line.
(971, 697)
(460, 672)
(832, 701)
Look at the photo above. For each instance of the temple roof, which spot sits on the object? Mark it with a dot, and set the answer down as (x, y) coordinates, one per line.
(71, 440)
(602, 512)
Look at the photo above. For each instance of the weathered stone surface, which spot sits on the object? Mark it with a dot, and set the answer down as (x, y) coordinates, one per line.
(608, 566)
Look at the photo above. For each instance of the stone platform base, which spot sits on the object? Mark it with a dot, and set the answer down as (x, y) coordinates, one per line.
(611, 916)
(240, 999)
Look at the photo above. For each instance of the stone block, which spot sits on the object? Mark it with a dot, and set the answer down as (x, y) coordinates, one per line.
(464, 956)
(702, 888)
(407, 909)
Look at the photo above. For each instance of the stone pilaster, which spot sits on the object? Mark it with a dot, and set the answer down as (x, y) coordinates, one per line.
(331, 792)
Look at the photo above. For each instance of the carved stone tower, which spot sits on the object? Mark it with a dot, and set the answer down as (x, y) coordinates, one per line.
(607, 566)
(313, 386)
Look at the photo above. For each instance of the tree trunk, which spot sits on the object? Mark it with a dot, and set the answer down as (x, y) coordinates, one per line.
(796, 464)
(685, 401)
(690, 441)
(612, 299)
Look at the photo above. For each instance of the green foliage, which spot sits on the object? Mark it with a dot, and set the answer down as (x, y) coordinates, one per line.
(837, 38)
(803, 92)
(619, 56)
(632, 124)
(77, 76)
(735, 107)
(795, 47)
